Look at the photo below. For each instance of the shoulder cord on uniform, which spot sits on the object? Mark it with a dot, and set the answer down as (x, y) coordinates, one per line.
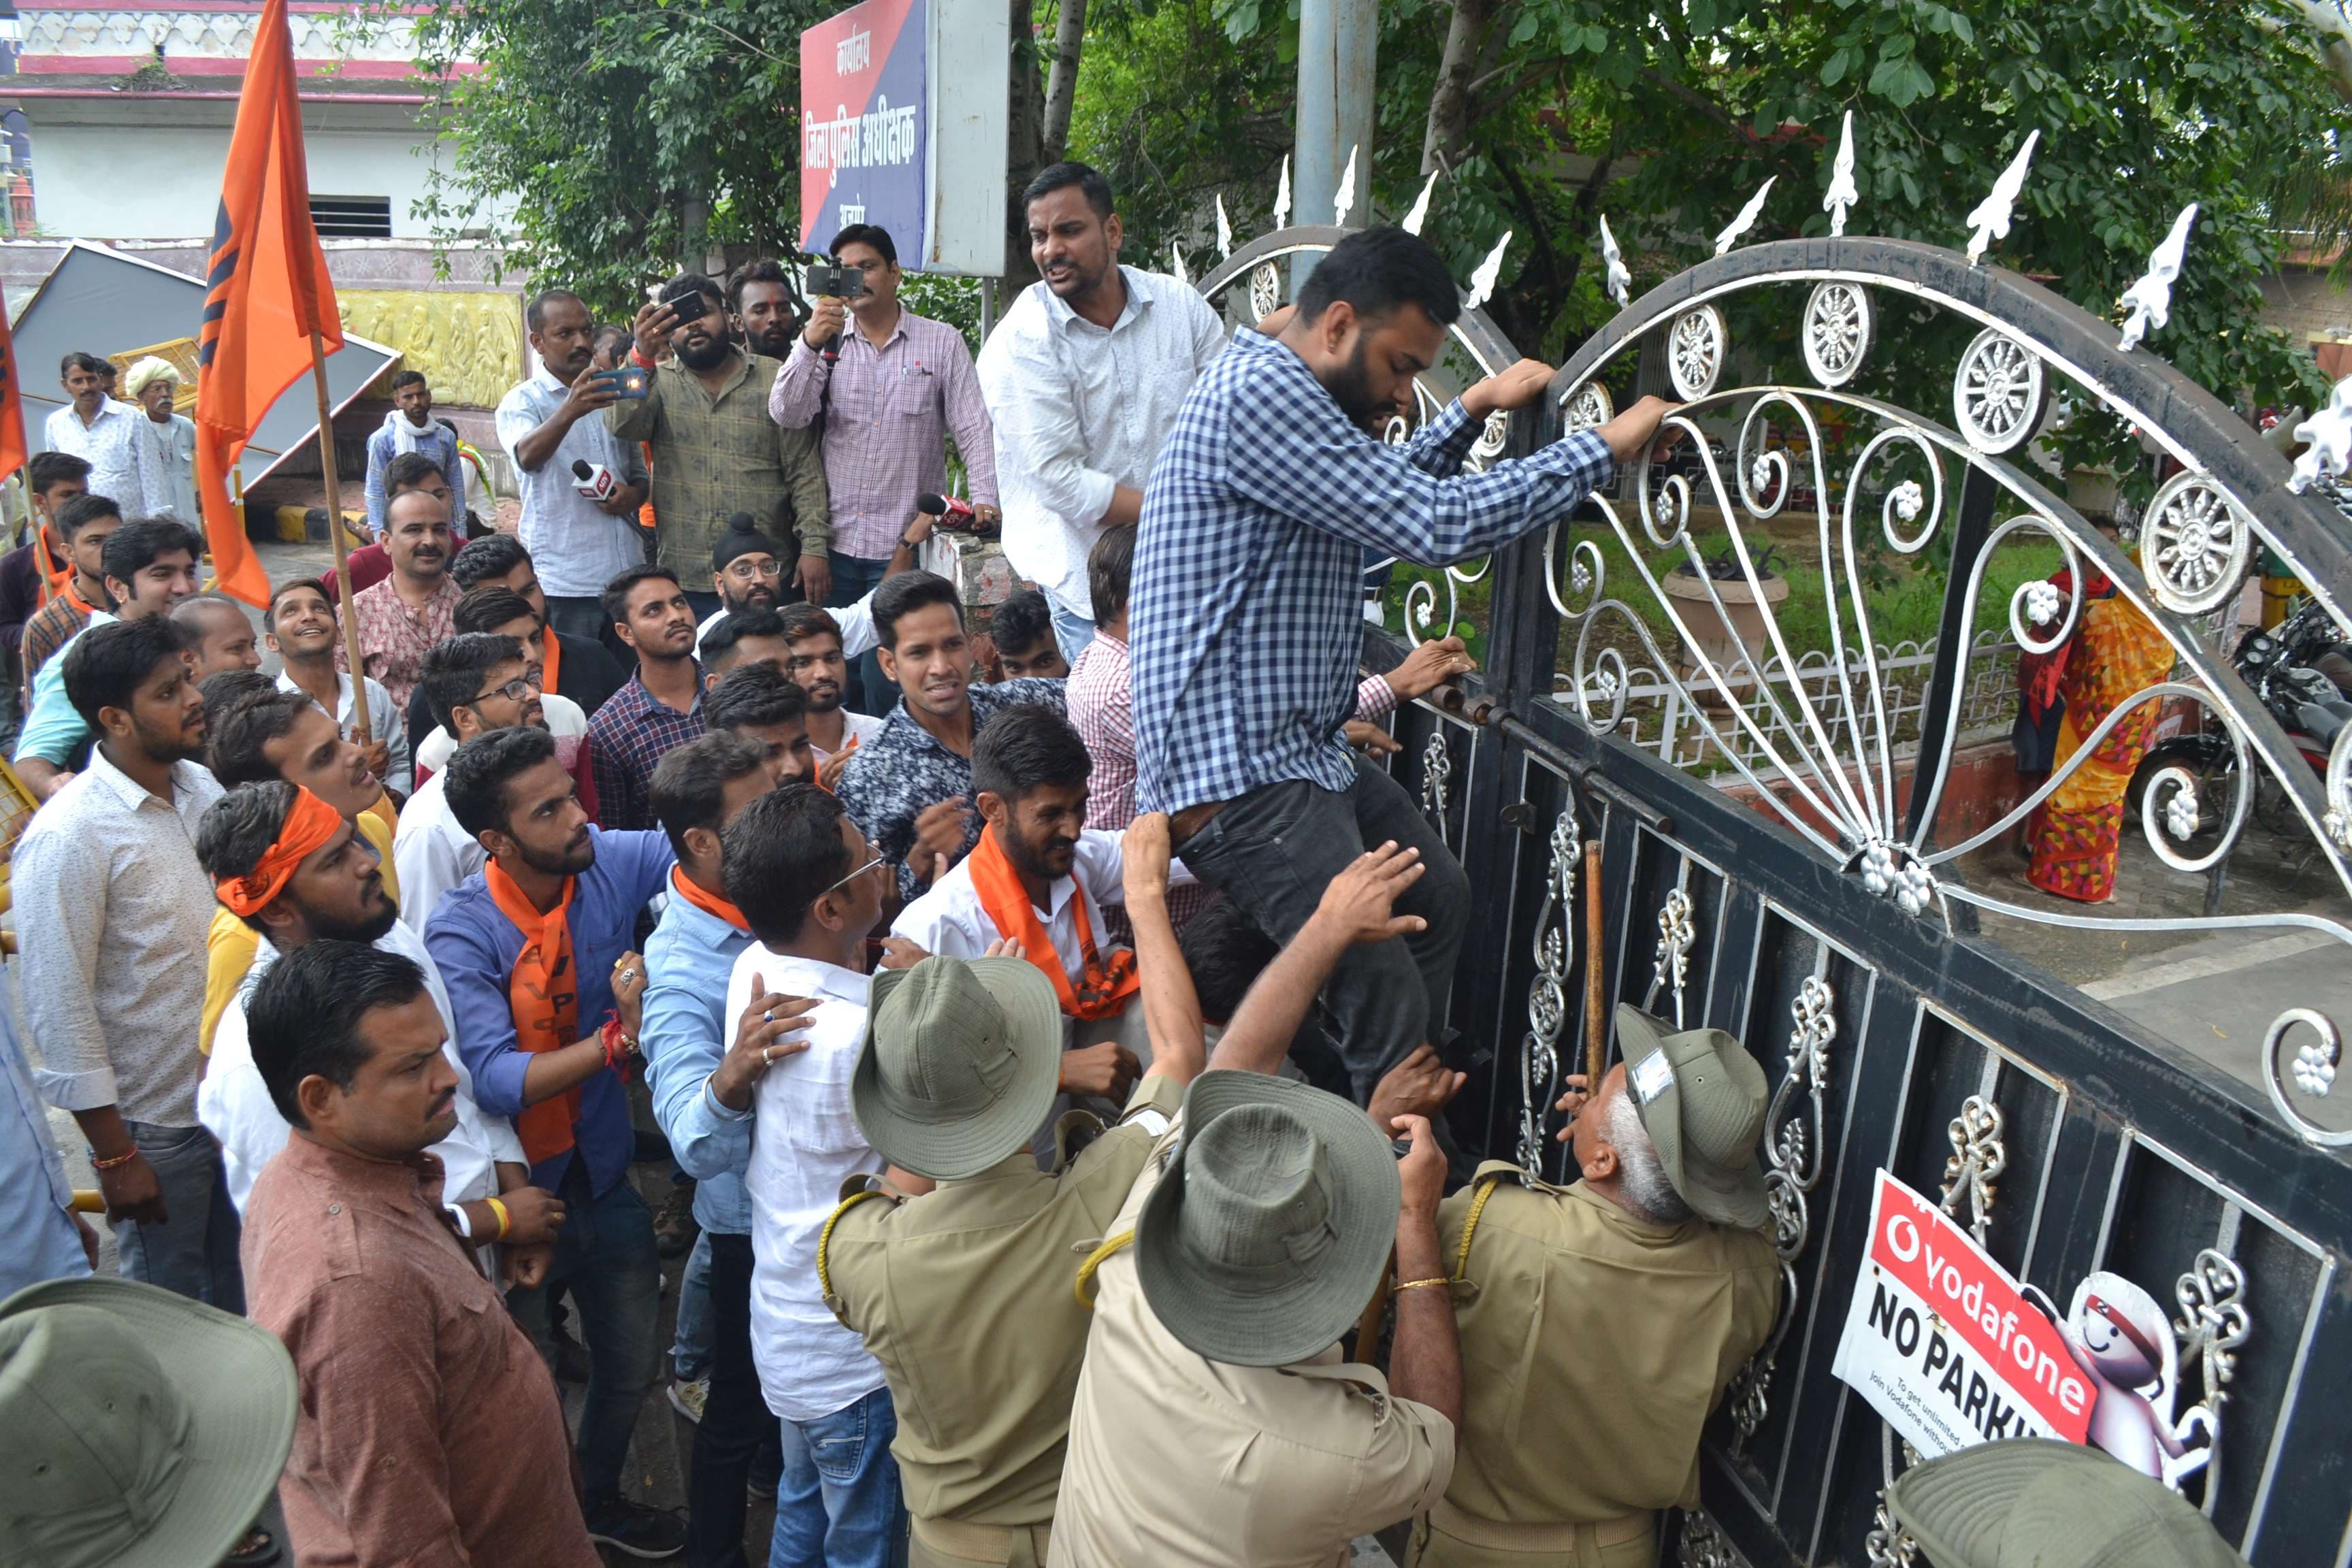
(1470, 1226)
(825, 1238)
(1095, 1260)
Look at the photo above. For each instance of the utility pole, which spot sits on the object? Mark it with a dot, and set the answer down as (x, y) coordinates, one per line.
(1339, 46)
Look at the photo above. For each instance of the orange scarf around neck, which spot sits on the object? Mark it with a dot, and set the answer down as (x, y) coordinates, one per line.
(551, 661)
(710, 903)
(1104, 984)
(544, 992)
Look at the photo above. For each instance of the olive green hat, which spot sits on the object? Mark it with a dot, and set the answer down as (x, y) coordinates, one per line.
(1270, 1228)
(138, 1428)
(2036, 1502)
(1701, 1098)
(960, 1065)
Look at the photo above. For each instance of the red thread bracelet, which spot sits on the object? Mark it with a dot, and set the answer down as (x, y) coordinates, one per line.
(115, 1163)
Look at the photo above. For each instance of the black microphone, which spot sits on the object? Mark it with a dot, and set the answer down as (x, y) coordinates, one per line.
(953, 511)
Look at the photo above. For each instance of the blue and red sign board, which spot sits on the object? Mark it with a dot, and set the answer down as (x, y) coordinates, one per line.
(864, 105)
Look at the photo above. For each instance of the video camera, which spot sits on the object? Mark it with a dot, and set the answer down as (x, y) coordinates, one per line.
(832, 279)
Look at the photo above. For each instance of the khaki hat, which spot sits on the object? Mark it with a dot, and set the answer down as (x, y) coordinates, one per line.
(961, 1064)
(1701, 1098)
(1266, 1236)
(138, 1428)
(2036, 1502)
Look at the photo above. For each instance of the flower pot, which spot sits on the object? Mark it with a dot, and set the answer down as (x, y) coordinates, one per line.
(1724, 639)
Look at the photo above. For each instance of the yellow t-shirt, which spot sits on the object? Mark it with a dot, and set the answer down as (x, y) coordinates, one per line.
(230, 943)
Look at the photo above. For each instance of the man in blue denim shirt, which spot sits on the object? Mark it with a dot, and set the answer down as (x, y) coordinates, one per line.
(702, 1098)
(509, 791)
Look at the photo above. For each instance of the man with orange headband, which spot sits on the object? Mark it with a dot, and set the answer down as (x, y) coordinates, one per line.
(291, 867)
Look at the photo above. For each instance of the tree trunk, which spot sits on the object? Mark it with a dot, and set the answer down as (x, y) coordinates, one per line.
(1022, 153)
(1062, 86)
(1448, 131)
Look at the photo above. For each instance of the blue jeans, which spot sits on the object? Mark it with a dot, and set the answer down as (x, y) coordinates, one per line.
(1071, 630)
(689, 1355)
(837, 1505)
(604, 1257)
(865, 690)
(194, 1252)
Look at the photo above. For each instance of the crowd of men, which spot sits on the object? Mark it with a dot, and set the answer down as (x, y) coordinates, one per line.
(1043, 1029)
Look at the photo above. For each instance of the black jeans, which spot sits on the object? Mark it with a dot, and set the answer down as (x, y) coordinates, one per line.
(1274, 850)
(736, 1422)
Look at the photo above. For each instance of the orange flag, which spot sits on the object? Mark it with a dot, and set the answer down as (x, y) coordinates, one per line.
(265, 292)
(12, 405)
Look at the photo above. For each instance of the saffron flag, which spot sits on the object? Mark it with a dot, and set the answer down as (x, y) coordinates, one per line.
(12, 405)
(265, 292)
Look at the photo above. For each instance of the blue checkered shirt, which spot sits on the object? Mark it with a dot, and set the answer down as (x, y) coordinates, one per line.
(1246, 617)
(627, 739)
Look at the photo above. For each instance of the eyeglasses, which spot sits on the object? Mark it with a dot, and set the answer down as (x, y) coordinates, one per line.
(744, 566)
(514, 690)
(853, 876)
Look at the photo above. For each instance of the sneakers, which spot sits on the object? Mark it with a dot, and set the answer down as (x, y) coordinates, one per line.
(639, 1530)
(673, 1224)
(689, 1398)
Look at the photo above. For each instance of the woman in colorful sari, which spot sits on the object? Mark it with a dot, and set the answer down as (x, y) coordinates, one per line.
(2073, 837)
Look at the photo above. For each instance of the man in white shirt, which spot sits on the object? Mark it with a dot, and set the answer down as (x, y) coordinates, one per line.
(811, 888)
(288, 865)
(1083, 379)
(107, 435)
(545, 424)
(1039, 877)
(477, 683)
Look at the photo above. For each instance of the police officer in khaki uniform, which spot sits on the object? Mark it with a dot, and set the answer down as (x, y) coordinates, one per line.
(965, 1295)
(2036, 1502)
(1602, 1322)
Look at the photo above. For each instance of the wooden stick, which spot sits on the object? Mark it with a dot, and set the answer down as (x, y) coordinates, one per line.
(1596, 929)
(342, 553)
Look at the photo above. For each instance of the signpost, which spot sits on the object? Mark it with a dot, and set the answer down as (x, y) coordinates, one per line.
(903, 121)
(1943, 1342)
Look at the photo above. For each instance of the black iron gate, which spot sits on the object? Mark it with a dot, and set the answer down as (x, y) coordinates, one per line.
(1788, 852)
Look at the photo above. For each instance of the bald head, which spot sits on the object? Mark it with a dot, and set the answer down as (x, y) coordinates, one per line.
(416, 537)
(221, 634)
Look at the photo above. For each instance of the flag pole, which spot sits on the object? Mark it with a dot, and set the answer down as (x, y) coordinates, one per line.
(343, 554)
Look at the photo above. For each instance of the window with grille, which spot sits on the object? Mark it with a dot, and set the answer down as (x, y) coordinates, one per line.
(353, 217)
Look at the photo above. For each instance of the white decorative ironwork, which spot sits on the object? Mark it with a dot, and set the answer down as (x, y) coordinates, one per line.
(1998, 393)
(1282, 196)
(1547, 993)
(1176, 254)
(2316, 1061)
(1890, 871)
(1493, 436)
(2195, 544)
(1697, 347)
(1703, 1544)
(2329, 433)
(1670, 960)
(1420, 213)
(1843, 192)
(1747, 218)
(1837, 330)
(1264, 290)
(1482, 281)
(2212, 1324)
(1224, 228)
(1991, 220)
(1436, 778)
(1978, 1157)
(1344, 202)
(1618, 278)
(1792, 1171)
(1586, 408)
(2149, 301)
(2337, 823)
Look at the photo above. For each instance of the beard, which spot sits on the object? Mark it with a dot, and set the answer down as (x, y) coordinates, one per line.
(825, 698)
(567, 861)
(712, 352)
(369, 930)
(757, 597)
(1350, 388)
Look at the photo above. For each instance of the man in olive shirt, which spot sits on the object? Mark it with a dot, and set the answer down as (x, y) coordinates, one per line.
(1608, 1316)
(715, 451)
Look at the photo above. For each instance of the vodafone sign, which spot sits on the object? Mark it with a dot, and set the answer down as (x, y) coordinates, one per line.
(1942, 1342)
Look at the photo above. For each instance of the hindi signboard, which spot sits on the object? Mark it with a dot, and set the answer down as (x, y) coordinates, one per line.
(889, 136)
(1943, 1342)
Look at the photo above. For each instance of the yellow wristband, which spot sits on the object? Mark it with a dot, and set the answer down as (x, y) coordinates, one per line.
(506, 1220)
(1422, 1284)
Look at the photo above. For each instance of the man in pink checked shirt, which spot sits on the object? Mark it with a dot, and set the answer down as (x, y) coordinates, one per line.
(886, 394)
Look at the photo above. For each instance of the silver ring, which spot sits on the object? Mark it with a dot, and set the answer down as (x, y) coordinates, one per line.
(767, 1017)
(625, 976)
(767, 1055)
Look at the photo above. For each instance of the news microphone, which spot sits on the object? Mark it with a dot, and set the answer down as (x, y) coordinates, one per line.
(593, 480)
(953, 511)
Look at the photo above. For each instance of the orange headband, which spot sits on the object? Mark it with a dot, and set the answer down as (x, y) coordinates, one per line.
(307, 827)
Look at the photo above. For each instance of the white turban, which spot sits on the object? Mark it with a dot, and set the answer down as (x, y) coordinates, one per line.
(146, 372)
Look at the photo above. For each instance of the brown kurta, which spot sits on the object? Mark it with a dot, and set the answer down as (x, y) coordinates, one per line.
(429, 1433)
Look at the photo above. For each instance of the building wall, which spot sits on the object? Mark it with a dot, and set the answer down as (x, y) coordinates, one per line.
(101, 182)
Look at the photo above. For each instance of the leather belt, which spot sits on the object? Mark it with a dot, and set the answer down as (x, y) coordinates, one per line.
(1190, 821)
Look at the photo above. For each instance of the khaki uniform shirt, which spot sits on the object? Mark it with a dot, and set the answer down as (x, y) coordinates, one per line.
(1593, 1346)
(1178, 1460)
(713, 456)
(964, 1296)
